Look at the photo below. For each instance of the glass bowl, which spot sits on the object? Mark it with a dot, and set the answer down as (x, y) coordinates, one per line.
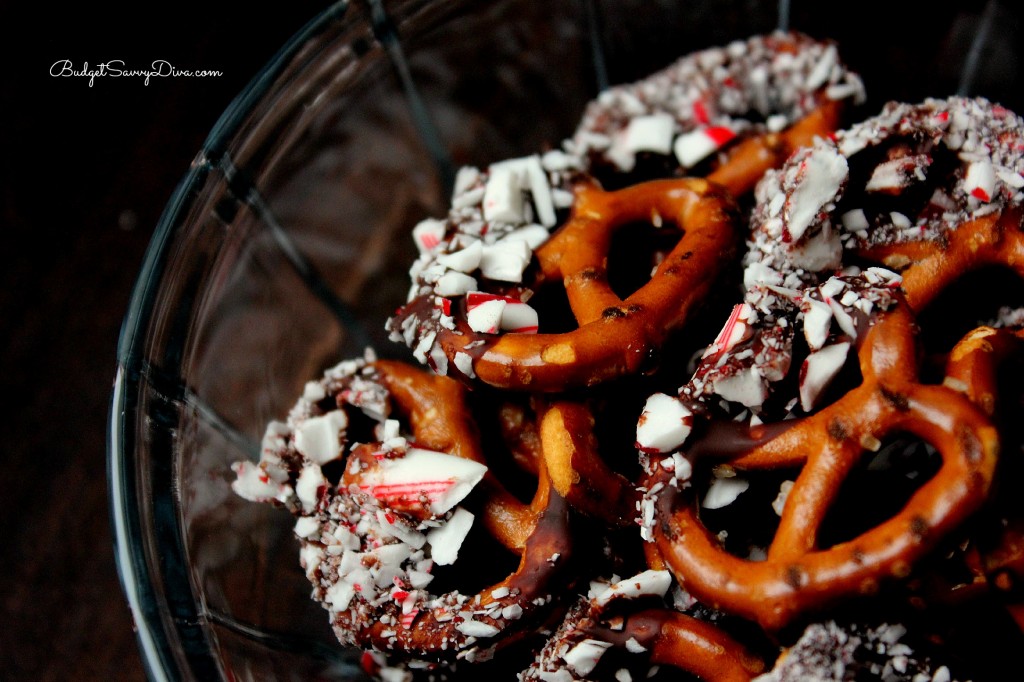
(287, 244)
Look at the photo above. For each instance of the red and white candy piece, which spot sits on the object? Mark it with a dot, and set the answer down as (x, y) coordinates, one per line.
(491, 313)
(253, 483)
(693, 147)
(980, 181)
(428, 233)
(817, 322)
(421, 477)
(736, 330)
(664, 424)
(484, 314)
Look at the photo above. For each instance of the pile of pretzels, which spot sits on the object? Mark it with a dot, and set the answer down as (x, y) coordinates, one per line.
(725, 386)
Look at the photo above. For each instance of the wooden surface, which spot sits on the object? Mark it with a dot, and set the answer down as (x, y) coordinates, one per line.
(86, 172)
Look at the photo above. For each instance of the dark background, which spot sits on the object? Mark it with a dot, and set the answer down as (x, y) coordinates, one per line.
(86, 172)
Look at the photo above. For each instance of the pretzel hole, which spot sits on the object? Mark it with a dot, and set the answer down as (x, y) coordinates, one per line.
(974, 299)
(745, 527)
(553, 312)
(637, 248)
(878, 487)
(914, 199)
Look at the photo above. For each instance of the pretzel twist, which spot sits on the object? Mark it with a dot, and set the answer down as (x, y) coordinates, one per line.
(654, 635)
(438, 414)
(798, 576)
(932, 266)
(615, 336)
(747, 162)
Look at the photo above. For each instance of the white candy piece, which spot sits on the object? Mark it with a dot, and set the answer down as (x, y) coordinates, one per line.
(319, 438)
(445, 541)
(306, 527)
(464, 260)
(818, 370)
(583, 657)
(464, 363)
(723, 491)
(505, 261)
(443, 479)
(503, 196)
(693, 147)
(485, 318)
(534, 235)
(519, 318)
(664, 424)
(477, 628)
(980, 181)
(428, 233)
(465, 178)
(746, 387)
(822, 174)
(453, 283)
(308, 483)
(527, 173)
(650, 134)
(647, 583)
(854, 220)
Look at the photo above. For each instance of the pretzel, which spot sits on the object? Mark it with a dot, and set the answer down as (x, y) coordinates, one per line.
(364, 539)
(615, 336)
(703, 110)
(930, 190)
(798, 576)
(644, 635)
(472, 285)
(576, 469)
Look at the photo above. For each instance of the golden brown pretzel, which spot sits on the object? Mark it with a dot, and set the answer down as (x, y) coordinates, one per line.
(798, 576)
(994, 239)
(576, 469)
(615, 336)
(753, 157)
(438, 629)
(439, 417)
(653, 636)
